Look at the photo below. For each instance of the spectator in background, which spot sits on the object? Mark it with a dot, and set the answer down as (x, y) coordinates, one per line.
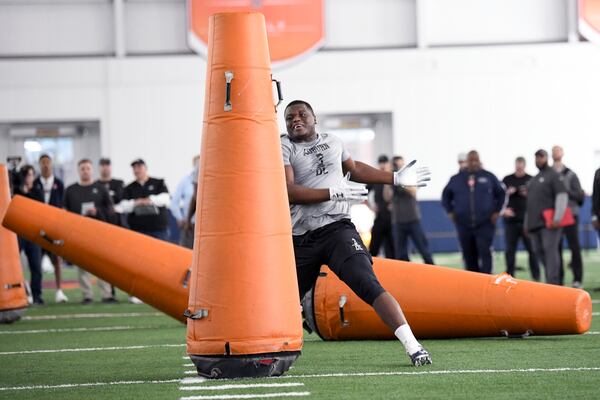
(115, 188)
(514, 214)
(32, 251)
(546, 191)
(145, 200)
(473, 199)
(571, 232)
(381, 233)
(462, 161)
(53, 191)
(406, 220)
(90, 199)
(596, 202)
(180, 204)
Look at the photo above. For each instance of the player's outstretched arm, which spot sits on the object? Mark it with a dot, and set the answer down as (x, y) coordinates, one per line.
(364, 173)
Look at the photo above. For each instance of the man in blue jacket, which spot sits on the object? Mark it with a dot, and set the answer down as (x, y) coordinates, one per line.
(473, 199)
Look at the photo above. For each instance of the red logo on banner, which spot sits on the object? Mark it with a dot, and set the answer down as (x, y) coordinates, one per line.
(589, 19)
(294, 28)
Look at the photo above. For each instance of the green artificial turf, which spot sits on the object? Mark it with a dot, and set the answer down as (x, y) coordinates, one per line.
(538, 367)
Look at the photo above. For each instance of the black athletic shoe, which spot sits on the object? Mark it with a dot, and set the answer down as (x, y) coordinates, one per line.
(87, 301)
(420, 357)
(38, 301)
(110, 300)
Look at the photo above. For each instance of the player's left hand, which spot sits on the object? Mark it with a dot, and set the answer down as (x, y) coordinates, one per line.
(412, 177)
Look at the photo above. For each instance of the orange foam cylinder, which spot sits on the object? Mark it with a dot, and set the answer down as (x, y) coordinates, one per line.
(155, 271)
(243, 294)
(13, 297)
(441, 302)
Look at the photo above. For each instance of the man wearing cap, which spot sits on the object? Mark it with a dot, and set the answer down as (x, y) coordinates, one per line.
(473, 199)
(546, 191)
(145, 202)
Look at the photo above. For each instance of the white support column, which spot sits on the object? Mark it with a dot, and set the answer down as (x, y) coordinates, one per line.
(421, 11)
(118, 28)
(572, 21)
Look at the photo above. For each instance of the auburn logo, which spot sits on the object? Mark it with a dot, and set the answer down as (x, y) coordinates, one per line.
(294, 29)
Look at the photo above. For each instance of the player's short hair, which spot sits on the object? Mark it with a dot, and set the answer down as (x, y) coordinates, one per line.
(299, 102)
(84, 161)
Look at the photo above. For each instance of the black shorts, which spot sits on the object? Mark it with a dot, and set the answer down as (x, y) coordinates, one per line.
(339, 246)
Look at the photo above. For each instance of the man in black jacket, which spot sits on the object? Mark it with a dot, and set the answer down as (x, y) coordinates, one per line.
(52, 189)
(514, 214)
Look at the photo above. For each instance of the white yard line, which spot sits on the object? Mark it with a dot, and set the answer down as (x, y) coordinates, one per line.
(77, 385)
(595, 314)
(192, 381)
(242, 386)
(592, 333)
(62, 330)
(247, 396)
(438, 372)
(595, 301)
(190, 372)
(96, 315)
(7, 353)
(189, 365)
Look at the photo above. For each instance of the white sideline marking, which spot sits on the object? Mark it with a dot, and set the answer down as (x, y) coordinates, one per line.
(190, 381)
(438, 372)
(247, 396)
(7, 353)
(75, 385)
(592, 333)
(97, 315)
(61, 330)
(242, 386)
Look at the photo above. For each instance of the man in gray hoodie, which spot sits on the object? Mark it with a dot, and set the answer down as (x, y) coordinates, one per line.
(571, 232)
(546, 191)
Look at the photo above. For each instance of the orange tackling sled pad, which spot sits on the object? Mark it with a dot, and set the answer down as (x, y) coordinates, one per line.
(244, 312)
(13, 297)
(441, 302)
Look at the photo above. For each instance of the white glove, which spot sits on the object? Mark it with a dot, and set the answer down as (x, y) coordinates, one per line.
(412, 177)
(348, 191)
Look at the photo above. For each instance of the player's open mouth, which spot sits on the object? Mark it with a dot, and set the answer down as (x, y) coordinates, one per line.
(298, 127)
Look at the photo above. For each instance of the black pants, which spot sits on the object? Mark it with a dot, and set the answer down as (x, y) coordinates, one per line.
(571, 233)
(33, 252)
(476, 244)
(338, 246)
(414, 230)
(513, 231)
(381, 234)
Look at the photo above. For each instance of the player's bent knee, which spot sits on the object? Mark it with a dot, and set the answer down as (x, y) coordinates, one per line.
(357, 272)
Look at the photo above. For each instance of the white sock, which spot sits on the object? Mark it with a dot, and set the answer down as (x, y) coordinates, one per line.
(406, 337)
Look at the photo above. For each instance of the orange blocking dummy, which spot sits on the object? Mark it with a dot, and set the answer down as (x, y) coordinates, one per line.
(244, 312)
(13, 298)
(441, 302)
(153, 270)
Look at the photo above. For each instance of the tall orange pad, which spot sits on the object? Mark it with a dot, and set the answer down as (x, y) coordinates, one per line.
(441, 302)
(13, 297)
(243, 306)
(153, 270)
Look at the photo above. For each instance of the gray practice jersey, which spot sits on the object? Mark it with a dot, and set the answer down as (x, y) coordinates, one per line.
(317, 165)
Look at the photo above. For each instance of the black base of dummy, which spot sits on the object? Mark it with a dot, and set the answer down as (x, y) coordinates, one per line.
(10, 316)
(244, 366)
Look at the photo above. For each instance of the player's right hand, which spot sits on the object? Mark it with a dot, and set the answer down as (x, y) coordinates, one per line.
(349, 192)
